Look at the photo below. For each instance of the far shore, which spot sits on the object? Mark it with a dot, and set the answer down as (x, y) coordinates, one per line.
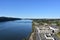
(4, 19)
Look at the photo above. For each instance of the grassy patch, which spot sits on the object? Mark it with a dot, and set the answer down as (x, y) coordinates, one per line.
(58, 34)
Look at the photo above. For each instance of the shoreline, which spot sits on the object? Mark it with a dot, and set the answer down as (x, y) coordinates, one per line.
(32, 36)
(5, 19)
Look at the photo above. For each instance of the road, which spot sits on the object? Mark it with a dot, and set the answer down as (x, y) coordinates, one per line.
(37, 34)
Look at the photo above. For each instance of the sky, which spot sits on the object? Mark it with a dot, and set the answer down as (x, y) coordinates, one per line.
(30, 8)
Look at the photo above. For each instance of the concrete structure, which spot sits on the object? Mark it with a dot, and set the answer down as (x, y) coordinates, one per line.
(45, 29)
(55, 29)
(48, 37)
(42, 31)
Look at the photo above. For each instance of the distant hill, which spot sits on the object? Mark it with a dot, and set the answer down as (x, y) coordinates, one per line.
(3, 19)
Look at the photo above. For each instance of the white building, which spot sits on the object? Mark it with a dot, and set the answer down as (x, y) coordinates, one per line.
(45, 29)
(41, 31)
(55, 29)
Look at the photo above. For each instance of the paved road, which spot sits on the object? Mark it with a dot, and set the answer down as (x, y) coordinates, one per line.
(37, 34)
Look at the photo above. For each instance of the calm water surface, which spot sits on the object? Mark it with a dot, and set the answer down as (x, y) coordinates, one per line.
(15, 30)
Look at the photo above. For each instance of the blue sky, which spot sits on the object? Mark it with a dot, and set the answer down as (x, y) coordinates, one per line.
(30, 8)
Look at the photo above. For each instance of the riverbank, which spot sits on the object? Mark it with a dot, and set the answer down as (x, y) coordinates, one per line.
(33, 35)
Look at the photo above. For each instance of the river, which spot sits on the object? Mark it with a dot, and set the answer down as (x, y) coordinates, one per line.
(15, 30)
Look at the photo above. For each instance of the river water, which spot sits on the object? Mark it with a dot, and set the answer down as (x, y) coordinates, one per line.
(15, 30)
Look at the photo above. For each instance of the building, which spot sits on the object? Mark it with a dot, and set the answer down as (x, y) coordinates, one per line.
(55, 29)
(41, 31)
(45, 32)
(45, 29)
